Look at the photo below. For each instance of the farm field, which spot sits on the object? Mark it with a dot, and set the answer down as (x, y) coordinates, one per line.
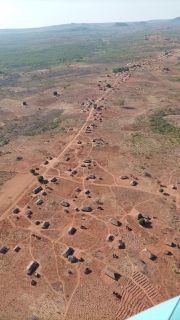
(111, 141)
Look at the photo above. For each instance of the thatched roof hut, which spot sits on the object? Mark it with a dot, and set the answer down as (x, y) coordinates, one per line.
(67, 252)
(114, 222)
(168, 243)
(112, 273)
(31, 267)
(148, 254)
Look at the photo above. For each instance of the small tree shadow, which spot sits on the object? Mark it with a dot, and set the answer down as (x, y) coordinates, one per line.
(128, 108)
(154, 258)
(147, 225)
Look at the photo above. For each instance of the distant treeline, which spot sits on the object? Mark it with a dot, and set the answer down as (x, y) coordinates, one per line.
(122, 69)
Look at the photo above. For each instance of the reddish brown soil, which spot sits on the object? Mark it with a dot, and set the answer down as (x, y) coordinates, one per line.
(142, 283)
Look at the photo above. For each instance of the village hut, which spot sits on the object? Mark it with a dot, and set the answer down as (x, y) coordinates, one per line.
(39, 202)
(112, 273)
(138, 215)
(67, 252)
(145, 216)
(168, 243)
(91, 176)
(37, 190)
(86, 209)
(110, 237)
(45, 225)
(28, 212)
(16, 210)
(65, 204)
(120, 244)
(71, 230)
(17, 249)
(87, 161)
(72, 259)
(114, 222)
(148, 254)
(74, 171)
(3, 249)
(166, 252)
(133, 183)
(124, 177)
(31, 267)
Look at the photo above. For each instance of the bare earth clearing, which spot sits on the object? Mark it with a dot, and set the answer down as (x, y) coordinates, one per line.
(116, 148)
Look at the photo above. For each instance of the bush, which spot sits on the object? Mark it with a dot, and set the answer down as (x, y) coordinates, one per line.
(95, 106)
(141, 221)
(19, 158)
(32, 171)
(108, 85)
(122, 69)
(24, 103)
(4, 142)
(121, 102)
(55, 93)
(147, 174)
(161, 190)
(40, 179)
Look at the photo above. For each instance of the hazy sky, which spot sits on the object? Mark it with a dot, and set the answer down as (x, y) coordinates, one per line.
(37, 13)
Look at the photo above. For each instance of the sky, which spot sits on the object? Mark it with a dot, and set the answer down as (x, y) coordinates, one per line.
(39, 13)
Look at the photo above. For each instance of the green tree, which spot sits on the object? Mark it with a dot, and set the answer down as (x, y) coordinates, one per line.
(18, 158)
(55, 93)
(40, 179)
(32, 171)
(141, 221)
(121, 102)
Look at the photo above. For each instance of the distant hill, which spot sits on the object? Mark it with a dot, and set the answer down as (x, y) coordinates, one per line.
(140, 23)
(176, 20)
(79, 29)
(121, 24)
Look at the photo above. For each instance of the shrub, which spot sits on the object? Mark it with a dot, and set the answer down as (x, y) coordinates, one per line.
(121, 102)
(4, 142)
(158, 181)
(161, 190)
(32, 171)
(24, 103)
(122, 69)
(18, 158)
(108, 85)
(141, 221)
(40, 179)
(55, 93)
(95, 106)
(147, 174)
